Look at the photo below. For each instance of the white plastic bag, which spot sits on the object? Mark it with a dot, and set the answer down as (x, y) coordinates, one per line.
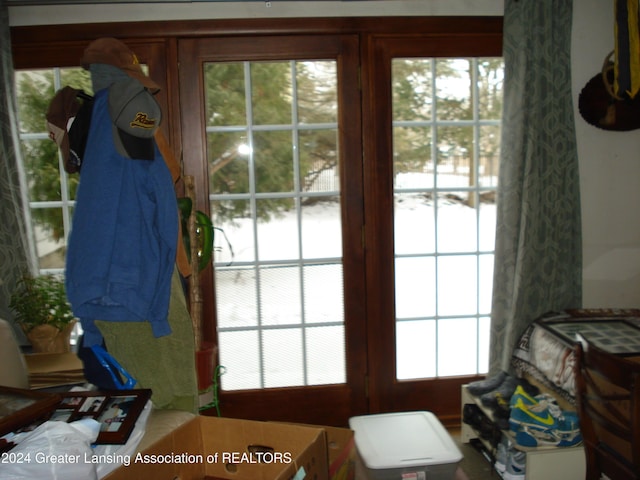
(54, 450)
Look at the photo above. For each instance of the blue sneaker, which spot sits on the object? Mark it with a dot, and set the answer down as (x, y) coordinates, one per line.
(516, 466)
(538, 424)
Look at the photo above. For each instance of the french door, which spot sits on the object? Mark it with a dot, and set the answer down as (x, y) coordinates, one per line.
(298, 146)
(271, 132)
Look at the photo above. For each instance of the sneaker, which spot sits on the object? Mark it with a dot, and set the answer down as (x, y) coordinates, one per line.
(539, 424)
(515, 466)
(472, 415)
(485, 386)
(501, 418)
(528, 399)
(502, 454)
(500, 395)
(521, 393)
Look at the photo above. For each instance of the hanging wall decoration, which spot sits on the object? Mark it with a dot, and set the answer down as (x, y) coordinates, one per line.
(610, 100)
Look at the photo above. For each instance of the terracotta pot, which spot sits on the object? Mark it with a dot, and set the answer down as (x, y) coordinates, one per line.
(49, 339)
(205, 359)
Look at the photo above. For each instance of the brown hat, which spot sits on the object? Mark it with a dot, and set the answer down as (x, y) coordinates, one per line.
(61, 112)
(602, 108)
(112, 51)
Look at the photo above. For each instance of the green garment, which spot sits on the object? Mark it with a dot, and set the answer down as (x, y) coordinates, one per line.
(166, 364)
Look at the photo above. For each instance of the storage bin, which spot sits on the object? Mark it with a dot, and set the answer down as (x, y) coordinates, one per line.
(404, 446)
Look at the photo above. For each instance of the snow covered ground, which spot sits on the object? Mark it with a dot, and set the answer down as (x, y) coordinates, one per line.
(290, 355)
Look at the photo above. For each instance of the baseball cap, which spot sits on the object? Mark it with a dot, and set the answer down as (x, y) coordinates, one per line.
(112, 51)
(60, 115)
(136, 116)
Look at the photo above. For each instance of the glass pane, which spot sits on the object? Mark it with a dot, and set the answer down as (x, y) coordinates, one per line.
(323, 294)
(484, 331)
(49, 236)
(280, 295)
(316, 84)
(283, 358)
(240, 356)
(453, 89)
(455, 153)
(489, 151)
(457, 223)
(457, 285)
(228, 162)
(225, 101)
(485, 263)
(42, 168)
(271, 93)
(236, 295)
(320, 216)
(278, 237)
(326, 356)
(457, 354)
(415, 349)
(490, 87)
(233, 234)
(274, 167)
(487, 219)
(319, 169)
(412, 162)
(414, 224)
(415, 287)
(412, 89)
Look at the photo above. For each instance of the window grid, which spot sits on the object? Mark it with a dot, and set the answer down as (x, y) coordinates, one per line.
(433, 124)
(259, 265)
(65, 203)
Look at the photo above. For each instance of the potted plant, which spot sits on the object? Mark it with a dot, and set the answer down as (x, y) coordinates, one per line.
(43, 312)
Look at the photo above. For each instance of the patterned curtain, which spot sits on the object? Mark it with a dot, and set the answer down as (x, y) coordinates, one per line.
(538, 259)
(16, 249)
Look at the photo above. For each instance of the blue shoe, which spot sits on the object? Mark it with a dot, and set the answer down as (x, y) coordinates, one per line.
(515, 466)
(536, 425)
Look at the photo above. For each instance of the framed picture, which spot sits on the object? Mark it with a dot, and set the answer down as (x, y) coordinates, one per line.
(117, 411)
(19, 407)
(614, 335)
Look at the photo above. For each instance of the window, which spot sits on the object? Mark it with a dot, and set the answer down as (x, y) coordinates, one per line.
(378, 137)
(446, 139)
(275, 198)
(51, 189)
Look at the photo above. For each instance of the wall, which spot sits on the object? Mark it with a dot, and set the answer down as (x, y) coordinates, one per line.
(609, 173)
(610, 169)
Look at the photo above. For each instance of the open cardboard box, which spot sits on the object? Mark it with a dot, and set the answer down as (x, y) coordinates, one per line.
(223, 448)
(342, 453)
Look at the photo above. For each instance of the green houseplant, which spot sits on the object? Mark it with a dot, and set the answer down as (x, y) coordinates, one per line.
(43, 312)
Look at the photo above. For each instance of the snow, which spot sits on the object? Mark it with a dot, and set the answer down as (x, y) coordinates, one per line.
(293, 355)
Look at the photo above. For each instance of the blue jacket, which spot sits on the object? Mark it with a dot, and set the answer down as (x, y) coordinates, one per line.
(122, 248)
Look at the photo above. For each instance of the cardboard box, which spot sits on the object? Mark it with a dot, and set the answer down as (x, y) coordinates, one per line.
(404, 445)
(225, 448)
(342, 453)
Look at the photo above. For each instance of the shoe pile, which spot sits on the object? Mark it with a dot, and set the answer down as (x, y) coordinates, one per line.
(534, 418)
(538, 421)
(495, 393)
